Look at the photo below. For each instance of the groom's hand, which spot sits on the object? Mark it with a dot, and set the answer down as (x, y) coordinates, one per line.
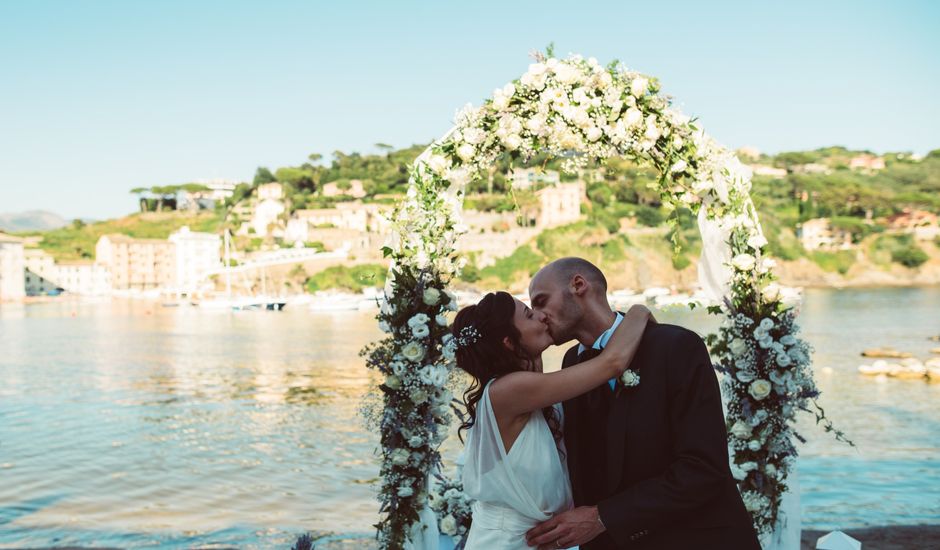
(572, 528)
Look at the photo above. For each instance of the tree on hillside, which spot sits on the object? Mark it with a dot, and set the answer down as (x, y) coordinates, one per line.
(262, 176)
(166, 195)
(142, 199)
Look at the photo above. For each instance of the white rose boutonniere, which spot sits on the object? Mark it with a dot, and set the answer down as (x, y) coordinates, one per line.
(630, 378)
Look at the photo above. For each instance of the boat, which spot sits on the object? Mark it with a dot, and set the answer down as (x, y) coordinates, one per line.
(624, 298)
(259, 302)
(886, 353)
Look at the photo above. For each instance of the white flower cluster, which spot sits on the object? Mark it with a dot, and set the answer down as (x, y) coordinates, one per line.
(768, 377)
(454, 509)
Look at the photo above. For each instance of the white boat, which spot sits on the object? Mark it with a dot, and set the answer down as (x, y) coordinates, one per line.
(329, 302)
(652, 292)
(624, 298)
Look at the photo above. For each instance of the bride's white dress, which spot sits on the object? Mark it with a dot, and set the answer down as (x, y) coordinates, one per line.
(516, 490)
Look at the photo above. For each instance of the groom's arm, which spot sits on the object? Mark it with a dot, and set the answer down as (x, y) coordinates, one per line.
(700, 469)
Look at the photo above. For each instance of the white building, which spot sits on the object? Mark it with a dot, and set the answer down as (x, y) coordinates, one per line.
(12, 266)
(41, 272)
(268, 209)
(196, 254)
(84, 278)
(867, 162)
(770, 171)
(819, 234)
(560, 204)
(217, 190)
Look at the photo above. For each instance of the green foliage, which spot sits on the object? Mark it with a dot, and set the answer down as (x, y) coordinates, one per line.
(900, 249)
(839, 261)
(352, 278)
(648, 216)
(523, 262)
(262, 176)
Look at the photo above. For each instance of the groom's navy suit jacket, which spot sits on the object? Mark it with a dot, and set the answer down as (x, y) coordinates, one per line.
(654, 457)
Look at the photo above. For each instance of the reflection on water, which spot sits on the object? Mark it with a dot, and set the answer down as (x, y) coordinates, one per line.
(126, 424)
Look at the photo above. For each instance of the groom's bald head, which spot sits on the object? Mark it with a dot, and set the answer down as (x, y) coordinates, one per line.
(562, 271)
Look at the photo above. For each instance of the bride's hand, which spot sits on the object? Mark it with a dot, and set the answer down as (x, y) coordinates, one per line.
(626, 339)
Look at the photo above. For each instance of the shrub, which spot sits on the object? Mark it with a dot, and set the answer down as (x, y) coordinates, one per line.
(839, 261)
(353, 278)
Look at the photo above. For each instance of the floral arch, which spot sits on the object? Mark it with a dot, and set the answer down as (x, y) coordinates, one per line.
(580, 110)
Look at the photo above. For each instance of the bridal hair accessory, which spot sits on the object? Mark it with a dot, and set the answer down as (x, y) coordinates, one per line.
(468, 336)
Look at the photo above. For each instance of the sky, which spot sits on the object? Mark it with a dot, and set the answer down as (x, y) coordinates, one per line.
(99, 97)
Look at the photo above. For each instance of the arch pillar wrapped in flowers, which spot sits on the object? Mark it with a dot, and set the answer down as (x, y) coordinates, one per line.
(582, 111)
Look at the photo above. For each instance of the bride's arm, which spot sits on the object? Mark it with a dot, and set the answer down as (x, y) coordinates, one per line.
(519, 393)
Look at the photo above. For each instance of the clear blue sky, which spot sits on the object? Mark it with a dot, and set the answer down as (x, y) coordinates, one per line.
(99, 97)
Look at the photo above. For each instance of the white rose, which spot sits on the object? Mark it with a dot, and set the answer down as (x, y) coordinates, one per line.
(766, 324)
(638, 86)
(536, 69)
(400, 457)
(512, 142)
(466, 152)
(438, 164)
(754, 445)
(415, 441)
(749, 466)
(474, 136)
(757, 242)
(594, 133)
(760, 388)
(535, 125)
(431, 296)
(741, 430)
(419, 396)
(420, 331)
(765, 341)
(743, 262)
(393, 382)
(788, 340)
(500, 102)
(766, 264)
(737, 346)
(441, 319)
(771, 292)
(652, 132)
(449, 525)
(398, 368)
(413, 352)
(566, 74)
(630, 378)
(417, 320)
(679, 167)
(633, 117)
(784, 360)
(405, 492)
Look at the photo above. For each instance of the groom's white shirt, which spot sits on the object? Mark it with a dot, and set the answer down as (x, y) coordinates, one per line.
(601, 342)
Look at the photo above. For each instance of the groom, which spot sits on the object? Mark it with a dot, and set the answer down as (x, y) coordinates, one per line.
(648, 463)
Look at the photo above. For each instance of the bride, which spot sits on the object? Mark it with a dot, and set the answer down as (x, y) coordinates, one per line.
(515, 466)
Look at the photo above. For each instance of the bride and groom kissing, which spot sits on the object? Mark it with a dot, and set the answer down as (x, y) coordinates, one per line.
(624, 447)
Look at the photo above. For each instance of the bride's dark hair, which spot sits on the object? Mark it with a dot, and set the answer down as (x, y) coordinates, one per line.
(485, 357)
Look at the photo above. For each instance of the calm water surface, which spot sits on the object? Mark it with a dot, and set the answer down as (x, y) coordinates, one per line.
(127, 424)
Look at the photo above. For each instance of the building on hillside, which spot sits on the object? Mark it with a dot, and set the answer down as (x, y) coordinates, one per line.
(769, 171)
(812, 168)
(84, 278)
(197, 254)
(137, 264)
(559, 204)
(267, 211)
(217, 190)
(353, 188)
(526, 178)
(867, 162)
(818, 234)
(749, 152)
(12, 268)
(357, 216)
(41, 273)
(920, 223)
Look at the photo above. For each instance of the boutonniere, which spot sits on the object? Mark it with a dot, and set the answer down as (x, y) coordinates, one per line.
(629, 379)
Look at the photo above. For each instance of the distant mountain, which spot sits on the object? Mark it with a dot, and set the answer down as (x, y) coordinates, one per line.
(33, 220)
